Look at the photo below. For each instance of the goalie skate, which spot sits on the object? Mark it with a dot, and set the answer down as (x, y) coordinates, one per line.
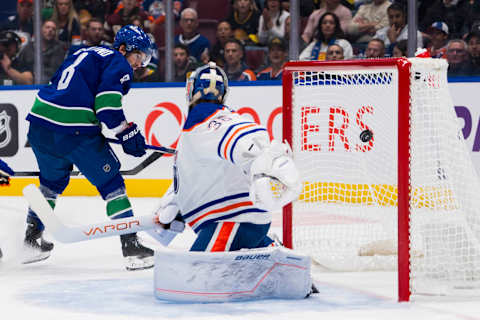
(137, 256)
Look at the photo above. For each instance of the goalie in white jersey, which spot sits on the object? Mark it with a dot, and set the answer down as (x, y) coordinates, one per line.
(223, 169)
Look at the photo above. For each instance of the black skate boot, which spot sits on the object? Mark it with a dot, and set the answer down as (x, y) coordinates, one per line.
(37, 248)
(137, 256)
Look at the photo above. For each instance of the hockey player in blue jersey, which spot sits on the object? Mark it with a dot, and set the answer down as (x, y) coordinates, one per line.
(65, 130)
(223, 168)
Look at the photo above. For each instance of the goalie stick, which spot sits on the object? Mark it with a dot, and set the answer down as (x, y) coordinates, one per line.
(69, 234)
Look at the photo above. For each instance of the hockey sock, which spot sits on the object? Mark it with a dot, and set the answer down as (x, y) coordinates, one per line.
(118, 205)
(51, 197)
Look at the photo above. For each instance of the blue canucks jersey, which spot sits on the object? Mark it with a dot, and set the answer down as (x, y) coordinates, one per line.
(87, 89)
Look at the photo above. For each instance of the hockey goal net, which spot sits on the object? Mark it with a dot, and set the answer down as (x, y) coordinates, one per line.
(388, 181)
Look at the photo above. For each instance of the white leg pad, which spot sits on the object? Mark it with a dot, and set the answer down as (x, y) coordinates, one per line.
(266, 273)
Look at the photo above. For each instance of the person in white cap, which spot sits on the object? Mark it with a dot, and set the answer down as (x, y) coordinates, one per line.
(438, 33)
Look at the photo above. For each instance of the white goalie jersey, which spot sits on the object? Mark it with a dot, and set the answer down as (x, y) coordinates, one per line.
(211, 171)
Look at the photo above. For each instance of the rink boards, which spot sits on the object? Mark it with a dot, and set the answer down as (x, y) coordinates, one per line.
(160, 111)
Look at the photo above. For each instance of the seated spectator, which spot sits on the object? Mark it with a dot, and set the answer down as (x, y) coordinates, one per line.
(13, 71)
(52, 52)
(343, 13)
(397, 29)
(277, 57)
(334, 52)
(93, 36)
(244, 20)
(122, 16)
(469, 12)
(473, 41)
(272, 22)
(458, 60)
(96, 8)
(400, 49)
(438, 32)
(375, 49)
(369, 18)
(156, 8)
(446, 11)
(235, 67)
(183, 63)
(328, 32)
(23, 20)
(224, 32)
(67, 21)
(197, 44)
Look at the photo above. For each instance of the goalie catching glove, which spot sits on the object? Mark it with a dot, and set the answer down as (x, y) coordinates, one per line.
(5, 173)
(275, 180)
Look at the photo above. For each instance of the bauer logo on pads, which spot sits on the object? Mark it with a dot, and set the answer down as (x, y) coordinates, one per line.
(8, 130)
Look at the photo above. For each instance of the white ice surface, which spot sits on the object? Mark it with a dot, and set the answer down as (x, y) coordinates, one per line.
(87, 280)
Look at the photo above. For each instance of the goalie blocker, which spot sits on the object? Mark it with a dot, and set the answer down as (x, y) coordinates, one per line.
(273, 272)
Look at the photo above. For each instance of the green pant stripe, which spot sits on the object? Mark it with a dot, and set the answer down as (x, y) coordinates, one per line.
(116, 205)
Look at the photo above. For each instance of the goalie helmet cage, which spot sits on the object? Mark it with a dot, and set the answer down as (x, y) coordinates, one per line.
(385, 170)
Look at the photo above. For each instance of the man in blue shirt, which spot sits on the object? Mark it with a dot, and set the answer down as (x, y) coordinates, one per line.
(198, 45)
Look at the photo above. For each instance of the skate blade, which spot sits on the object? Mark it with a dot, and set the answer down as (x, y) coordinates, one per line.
(136, 263)
(40, 257)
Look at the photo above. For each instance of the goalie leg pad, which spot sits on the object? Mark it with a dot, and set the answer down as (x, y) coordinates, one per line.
(231, 276)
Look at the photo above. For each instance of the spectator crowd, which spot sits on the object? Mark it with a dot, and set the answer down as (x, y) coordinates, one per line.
(248, 38)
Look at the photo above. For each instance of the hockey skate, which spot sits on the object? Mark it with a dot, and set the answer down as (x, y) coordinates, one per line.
(37, 248)
(138, 257)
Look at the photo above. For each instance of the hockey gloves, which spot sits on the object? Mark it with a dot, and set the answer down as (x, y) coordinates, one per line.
(133, 142)
(5, 173)
(275, 180)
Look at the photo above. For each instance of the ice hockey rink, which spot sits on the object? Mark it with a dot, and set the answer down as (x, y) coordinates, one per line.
(87, 280)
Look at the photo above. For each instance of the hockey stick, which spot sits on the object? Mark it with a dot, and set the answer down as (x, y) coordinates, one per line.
(69, 234)
(142, 165)
(147, 146)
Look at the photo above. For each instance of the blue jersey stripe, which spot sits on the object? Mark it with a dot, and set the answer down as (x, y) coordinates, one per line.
(214, 202)
(238, 138)
(231, 215)
(226, 134)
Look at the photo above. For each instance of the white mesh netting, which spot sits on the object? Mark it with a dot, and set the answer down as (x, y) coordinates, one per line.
(345, 139)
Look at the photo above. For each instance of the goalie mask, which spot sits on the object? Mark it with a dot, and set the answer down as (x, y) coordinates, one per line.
(208, 82)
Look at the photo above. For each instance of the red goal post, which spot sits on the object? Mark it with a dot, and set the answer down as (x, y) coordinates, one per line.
(355, 186)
